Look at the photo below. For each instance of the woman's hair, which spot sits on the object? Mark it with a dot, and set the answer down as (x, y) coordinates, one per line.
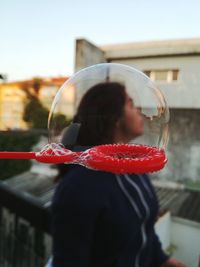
(98, 112)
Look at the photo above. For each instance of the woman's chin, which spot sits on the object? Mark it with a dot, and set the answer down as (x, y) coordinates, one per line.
(139, 133)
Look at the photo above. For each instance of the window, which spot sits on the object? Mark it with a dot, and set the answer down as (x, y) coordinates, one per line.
(162, 75)
(175, 75)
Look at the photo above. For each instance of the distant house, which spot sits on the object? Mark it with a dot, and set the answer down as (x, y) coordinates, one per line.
(13, 98)
(174, 65)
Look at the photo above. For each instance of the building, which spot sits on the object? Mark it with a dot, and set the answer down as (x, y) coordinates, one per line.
(13, 97)
(174, 66)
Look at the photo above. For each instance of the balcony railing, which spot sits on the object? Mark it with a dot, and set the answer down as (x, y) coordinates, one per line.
(25, 239)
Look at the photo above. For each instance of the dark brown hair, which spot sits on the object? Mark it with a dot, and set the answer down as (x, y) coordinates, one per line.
(97, 114)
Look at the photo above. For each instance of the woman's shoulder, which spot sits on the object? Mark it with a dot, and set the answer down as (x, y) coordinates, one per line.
(82, 174)
(83, 181)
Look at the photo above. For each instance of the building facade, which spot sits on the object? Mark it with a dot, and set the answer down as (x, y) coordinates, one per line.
(174, 66)
(13, 98)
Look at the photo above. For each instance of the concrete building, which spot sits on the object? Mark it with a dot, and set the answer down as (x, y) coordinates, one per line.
(174, 66)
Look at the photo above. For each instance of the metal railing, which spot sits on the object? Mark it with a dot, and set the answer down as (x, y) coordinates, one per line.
(15, 252)
(24, 230)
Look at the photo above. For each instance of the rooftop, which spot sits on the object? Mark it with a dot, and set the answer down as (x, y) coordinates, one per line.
(182, 203)
(152, 48)
(57, 81)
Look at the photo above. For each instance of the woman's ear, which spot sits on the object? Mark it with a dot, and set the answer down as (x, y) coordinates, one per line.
(118, 124)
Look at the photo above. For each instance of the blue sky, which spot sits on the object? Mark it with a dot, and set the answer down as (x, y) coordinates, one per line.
(38, 36)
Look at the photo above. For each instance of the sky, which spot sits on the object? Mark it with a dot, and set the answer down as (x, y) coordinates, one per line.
(38, 36)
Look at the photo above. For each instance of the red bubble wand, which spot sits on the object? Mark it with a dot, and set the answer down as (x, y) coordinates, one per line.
(117, 158)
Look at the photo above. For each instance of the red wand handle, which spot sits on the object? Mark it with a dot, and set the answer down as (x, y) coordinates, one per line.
(17, 155)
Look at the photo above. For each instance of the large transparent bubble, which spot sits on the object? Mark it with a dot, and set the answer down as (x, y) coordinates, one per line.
(109, 103)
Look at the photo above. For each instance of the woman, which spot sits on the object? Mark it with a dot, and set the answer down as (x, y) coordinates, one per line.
(101, 219)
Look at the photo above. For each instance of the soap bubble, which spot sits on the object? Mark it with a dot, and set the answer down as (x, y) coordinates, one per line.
(109, 103)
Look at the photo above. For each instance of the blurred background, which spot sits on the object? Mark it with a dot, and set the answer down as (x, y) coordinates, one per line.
(42, 44)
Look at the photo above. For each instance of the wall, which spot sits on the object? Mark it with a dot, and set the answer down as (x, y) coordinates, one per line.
(163, 229)
(185, 235)
(183, 93)
(183, 99)
(87, 54)
(11, 107)
(183, 147)
(182, 236)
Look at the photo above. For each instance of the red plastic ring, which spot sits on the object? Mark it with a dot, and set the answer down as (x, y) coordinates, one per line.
(135, 158)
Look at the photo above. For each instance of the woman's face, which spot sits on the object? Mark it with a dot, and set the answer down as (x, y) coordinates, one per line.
(131, 124)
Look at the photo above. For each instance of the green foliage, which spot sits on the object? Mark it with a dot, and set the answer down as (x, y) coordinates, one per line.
(35, 114)
(61, 121)
(193, 185)
(16, 141)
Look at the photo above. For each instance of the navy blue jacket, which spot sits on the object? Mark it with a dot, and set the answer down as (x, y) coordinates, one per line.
(105, 220)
